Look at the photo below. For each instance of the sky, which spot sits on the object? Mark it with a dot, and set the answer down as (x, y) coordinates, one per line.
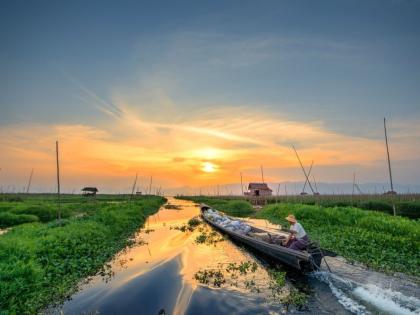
(194, 93)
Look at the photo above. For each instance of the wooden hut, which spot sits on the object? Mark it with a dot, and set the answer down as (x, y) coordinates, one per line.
(258, 190)
(89, 191)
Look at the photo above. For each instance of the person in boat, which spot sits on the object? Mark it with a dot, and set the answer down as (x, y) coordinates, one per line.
(298, 238)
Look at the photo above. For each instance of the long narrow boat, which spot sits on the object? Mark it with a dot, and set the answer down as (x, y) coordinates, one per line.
(307, 260)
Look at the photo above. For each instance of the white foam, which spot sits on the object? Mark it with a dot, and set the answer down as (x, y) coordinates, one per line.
(387, 300)
(384, 300)
(347, 302)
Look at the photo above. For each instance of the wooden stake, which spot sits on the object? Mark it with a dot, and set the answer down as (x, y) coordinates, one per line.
(58, 183)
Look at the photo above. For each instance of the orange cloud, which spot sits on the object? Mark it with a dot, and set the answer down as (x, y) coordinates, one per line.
(207, 148)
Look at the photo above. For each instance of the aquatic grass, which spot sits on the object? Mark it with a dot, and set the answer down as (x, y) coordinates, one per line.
(42, 263)
(208, 276)
(378, 240)
(193, 222)
(209, 238)
(190, 226)
(243, 274)
(295, 297)
(172, 207)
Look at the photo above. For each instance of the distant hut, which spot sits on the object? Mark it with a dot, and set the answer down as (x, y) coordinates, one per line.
(89, 191)
(258, 190)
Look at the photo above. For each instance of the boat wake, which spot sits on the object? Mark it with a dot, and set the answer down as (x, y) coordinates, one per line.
(368, 298)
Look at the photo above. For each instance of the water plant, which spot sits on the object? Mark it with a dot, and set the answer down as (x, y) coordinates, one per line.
(209, 238)
(206, 276)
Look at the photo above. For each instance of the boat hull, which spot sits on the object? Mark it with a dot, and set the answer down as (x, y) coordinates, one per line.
(300, 260)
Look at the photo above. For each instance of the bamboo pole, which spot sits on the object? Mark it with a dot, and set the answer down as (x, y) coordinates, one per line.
(303, 169)
(58, 182)
(389, 161)
(309, 173)
(150, 185)
(262, 174)
(29, 182)
(316, 187)
(354, 183)
(134, 187)
(278, 192)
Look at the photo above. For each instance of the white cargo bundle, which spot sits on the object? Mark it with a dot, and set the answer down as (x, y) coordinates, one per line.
(226, 222)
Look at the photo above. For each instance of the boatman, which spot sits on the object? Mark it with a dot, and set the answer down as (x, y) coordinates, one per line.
(298, 238)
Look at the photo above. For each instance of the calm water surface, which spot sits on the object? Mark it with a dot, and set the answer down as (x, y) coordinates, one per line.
(156, 276)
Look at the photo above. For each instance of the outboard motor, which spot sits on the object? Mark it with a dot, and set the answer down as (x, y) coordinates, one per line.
(315, 250)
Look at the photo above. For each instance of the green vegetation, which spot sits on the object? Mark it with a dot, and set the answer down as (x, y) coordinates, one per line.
(22, 208)
(41, 263)
(378, 240)
(237, 208)
(9, 219)
(405, 205)
(410, 209)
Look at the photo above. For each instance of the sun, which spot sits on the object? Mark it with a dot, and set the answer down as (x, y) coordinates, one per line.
(208, 167)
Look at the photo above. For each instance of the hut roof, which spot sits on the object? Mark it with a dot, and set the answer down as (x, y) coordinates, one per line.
(91, 189)
(259, 186)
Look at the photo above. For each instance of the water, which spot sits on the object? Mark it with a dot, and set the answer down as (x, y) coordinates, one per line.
(156, 276)
(4, 231)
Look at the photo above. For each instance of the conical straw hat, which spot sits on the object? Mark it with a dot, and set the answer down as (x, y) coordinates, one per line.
(291, 218)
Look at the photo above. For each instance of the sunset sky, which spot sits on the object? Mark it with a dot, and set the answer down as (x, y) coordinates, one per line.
(195, 92)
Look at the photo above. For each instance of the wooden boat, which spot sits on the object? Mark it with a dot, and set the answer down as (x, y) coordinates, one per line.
(308, 260)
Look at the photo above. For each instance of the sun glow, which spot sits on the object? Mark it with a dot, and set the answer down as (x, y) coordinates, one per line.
(208, 167)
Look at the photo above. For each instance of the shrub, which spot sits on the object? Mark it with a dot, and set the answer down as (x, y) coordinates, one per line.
(5, 207)
(238, 208)
(9, 219)
(44, 212)
(409, 209)
(377, 206)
